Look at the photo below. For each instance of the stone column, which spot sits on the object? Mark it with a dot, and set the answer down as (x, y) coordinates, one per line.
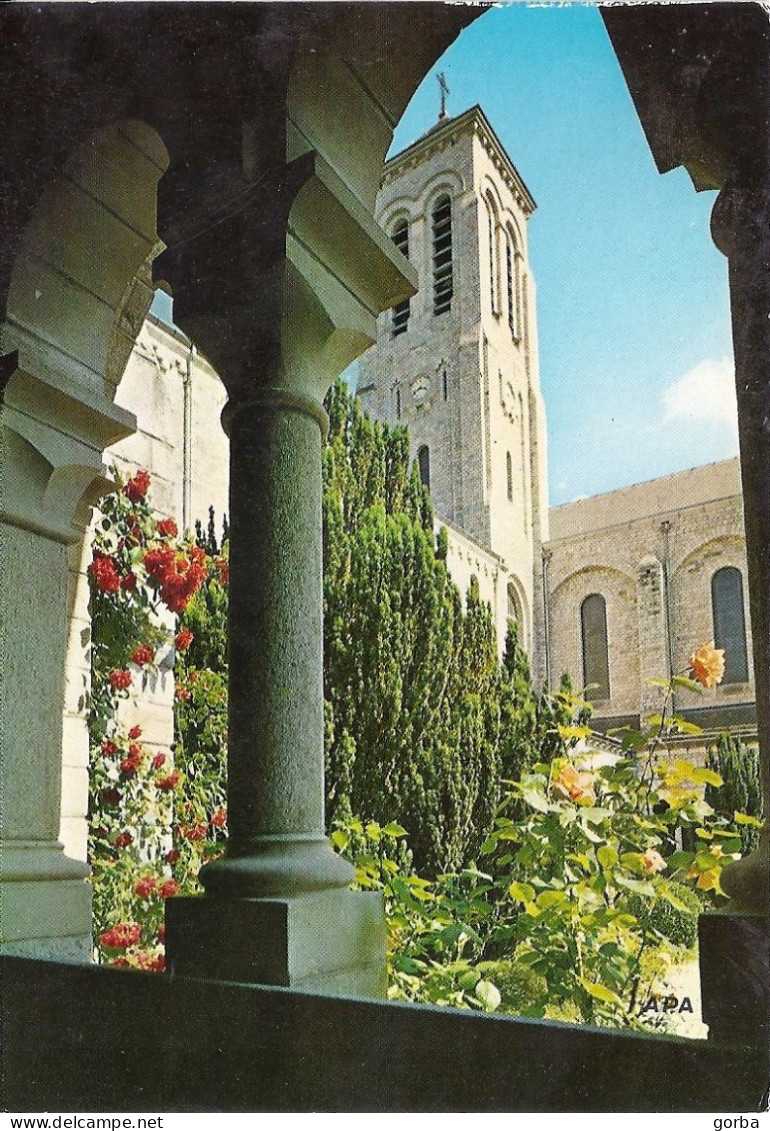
(735, 945)
(50, 453)
(278, 908)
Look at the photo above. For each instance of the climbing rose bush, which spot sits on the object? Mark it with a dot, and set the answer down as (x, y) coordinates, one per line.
(150, 829)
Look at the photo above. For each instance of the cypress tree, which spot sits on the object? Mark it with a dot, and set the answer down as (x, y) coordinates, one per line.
(410, 678)
(741, 791)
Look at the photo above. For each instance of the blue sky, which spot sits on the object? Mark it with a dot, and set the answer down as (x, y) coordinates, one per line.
(632, 299)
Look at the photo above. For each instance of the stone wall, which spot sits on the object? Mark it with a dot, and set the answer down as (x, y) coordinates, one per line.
(651, 551)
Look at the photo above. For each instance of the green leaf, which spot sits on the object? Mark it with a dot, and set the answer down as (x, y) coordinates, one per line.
(536, 799)
(394, 829)
(746, 819)
(703, 776)
(607, 856)
(548, 899)
(340, 839)
(574, 731)
(524, 893)
(680, 860)
(489, 995)
(657, 681)
(642, 887)
(685, 727)
(600, 992)
(689, 684)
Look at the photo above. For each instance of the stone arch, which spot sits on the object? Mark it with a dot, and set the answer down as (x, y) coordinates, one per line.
(619, 591)
(692, 591)
(444, 182)
(68, 299)
(518, 609)
(79, 289)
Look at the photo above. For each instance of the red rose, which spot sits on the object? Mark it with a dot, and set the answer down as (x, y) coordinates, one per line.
(167, 889)
(162, 933)
(195, 832)
(170, 782)
(104, 571)
(132, 763)
(167, 528)
(109, 749)
(182, 693)
(110, 796)
(121, 936)
(135, 732)
(172, 856)
(142, 655)
(120, 679)
(219, 820)
(136, 488)
(158, 562)
(101, 832)
(145, 886)
(122, 840)
(121, 960)
(152, 964)
(223, 570)
(128, 582)
(183, 640)
(158, 761)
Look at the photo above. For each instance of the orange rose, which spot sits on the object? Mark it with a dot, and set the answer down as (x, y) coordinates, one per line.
(707, 665)
(653, 862)
(573, 785)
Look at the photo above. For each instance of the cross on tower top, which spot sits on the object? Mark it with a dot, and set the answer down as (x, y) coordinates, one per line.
(442, 83)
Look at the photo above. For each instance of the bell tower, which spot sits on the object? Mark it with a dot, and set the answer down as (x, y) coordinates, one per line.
(457, 363)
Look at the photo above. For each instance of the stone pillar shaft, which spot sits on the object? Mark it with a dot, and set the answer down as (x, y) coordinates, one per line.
(741, 229)
(276, 723)
(277, 909)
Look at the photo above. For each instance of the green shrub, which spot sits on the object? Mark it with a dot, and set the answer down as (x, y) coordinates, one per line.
(673, 913)
(522, 990)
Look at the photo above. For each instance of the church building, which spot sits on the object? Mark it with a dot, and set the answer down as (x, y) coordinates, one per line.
(615, 589)
(458, 365)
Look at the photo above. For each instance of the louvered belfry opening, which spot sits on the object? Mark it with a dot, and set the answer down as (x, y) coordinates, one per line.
(402, 309)
(443, 279)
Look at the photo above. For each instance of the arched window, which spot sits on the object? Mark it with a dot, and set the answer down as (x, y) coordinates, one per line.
(509, 474)
(514, 607)
(596, 661)
(423, 463)
(730, 623)
(494, 266)
(443, 279)
(401, 310)
(511, 269)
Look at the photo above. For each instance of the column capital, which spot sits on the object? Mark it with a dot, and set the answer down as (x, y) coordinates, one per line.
(53, 434)
(740, 218)
(282, 283)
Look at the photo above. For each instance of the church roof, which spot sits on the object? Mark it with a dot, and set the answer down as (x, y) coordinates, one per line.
(444, 133)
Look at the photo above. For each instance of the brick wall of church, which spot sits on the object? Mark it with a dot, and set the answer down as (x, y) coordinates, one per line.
(624, 545)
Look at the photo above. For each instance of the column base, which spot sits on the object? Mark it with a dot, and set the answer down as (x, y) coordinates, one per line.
(734, 956)
(326, 941)
(45, 903)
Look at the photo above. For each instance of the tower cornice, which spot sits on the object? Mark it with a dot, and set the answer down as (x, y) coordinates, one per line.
(473, 122)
